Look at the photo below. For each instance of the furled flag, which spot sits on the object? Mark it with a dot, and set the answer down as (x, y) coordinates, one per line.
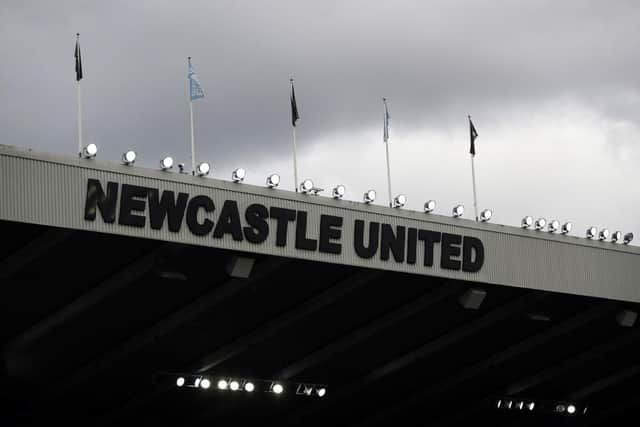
(78, 59)
(294, 107)
(474, 135)
(385, 135)
(194, 84)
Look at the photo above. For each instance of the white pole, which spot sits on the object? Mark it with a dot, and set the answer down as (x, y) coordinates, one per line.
(473, 177)
(193, 144)
(386, 144)
(79, 121)
(295, 161)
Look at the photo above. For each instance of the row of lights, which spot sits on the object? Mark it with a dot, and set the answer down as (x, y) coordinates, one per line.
(307, 187)
(530, 405)
(248, 386)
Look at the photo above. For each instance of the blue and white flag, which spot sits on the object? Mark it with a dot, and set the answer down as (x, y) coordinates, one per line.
(385, 134)
(195, 90)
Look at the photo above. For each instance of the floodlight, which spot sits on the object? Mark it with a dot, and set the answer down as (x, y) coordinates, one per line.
(321, 391)
(196, 383)
(486, 215)
(430, 206)
(571, 409)
(616, 236)
(223, 384)
(531, 405)
(277, 388)
(527, 222)
(166, 163)
(338, 191)
(180, 381)
(273, 180)
(238, 175)
(205, 383)
(249, 387)
(399, 201)
(604, 234)
(234, 385)
(540, 223)
(306, 186)
(458, 210)
(553, 226)
(520, 405)
(203, 169)
(566, 228)
(628, 238)
(129, 157)
(369, 196)
(591, 232)
(90, 151)
(560, 408)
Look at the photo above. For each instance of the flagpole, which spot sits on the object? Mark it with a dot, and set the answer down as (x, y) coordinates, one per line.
(193, 143)
(386, 144)
(79, 120)
(473, 177)
(295, 156)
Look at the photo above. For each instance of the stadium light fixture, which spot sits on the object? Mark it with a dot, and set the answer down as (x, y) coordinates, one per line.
(553, 226)
(249, 387)
(628, 238)
(276, 388)
(591, 232)
(486, 215)
(129, 157)
(370, 196)
(306, 186)
(234, 385)
(166, 163)
(527, 222)
(338, 191)
(566, 228)
(273, 180)
(238, 175)
(430, 206)
(90, 151)
(458, 210)
(181, 168)
(180, 381)
(531, 405)
(540, 223)
(203, 169)
(571, 409)
(321, 391)
(604, 234)
(205, 383)
(616, 236)
(223, 384)
(399, 201)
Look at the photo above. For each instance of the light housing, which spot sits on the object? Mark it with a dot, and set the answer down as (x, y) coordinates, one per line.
(370, 196)
(238, 175)
(628, 238)
(205, 383)
(604, 234)
(571, 409)
(306, 186)
(540, 223)
(90, 151)
(457, 211)
(591, 232)
(129, 157)
(166, 163)
(430, 206)
(486, 215)
(566, 228)
(399, 201)
(203, 169)
(234, 385)
(321, 391)
(553, 226)
(180, 381)
(338, 191)
(527, 222)
(616, 236)
(249, 387)
(273, 180)
(223, 384)
(277, 388)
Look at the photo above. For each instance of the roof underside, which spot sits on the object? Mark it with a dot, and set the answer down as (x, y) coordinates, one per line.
(89, 319)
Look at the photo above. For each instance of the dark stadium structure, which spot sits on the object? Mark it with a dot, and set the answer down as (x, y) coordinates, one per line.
(98, 326)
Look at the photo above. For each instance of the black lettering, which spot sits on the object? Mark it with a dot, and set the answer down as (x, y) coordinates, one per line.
(166, 207)
(358, 239)
(450, 249)
(469, 246)
(97, 200)
(429, 238)
(392, 241)
(130, 203)
(258, 229)
(229, 221)
(192, 215)
(412, 243)
(327, 233)
(282, 216)
(302, 241)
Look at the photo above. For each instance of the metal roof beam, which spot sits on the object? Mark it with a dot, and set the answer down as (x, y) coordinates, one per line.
(33, 250)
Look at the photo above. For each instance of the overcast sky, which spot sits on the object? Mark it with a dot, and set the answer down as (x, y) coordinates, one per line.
(553, 88)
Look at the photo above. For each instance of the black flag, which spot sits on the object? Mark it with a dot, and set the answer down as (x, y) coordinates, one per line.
(78, 60)
(474, 135)
(294, 107)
